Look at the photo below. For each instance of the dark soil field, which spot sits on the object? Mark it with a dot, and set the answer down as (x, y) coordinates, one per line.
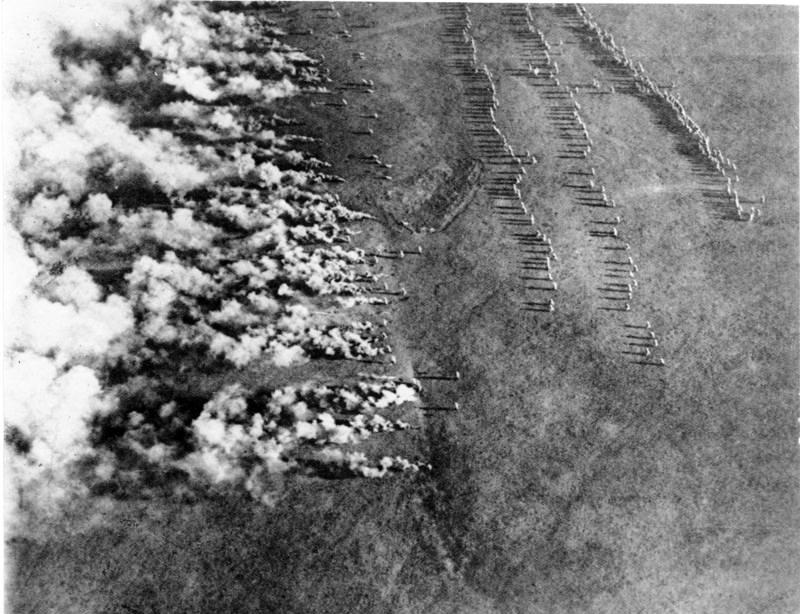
(578, 475)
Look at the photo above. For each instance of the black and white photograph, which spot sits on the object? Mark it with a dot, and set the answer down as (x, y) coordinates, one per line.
(400, 308)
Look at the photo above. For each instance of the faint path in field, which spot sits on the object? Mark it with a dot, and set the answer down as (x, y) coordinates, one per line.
(723, 201)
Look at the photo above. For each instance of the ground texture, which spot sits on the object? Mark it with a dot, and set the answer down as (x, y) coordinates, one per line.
(573, 478)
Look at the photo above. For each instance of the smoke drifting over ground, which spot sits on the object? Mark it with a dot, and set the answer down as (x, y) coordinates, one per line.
(158, 223)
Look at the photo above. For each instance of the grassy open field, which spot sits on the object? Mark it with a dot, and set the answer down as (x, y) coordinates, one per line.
(572, 479)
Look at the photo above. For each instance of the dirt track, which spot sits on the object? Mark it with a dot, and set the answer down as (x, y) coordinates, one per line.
(572, 479)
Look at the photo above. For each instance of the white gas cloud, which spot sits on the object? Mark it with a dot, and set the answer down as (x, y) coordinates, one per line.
(127, 246)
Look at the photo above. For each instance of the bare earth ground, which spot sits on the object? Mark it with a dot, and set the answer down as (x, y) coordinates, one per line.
(571, 480)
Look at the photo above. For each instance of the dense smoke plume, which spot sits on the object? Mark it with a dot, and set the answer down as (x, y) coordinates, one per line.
(158, 223)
